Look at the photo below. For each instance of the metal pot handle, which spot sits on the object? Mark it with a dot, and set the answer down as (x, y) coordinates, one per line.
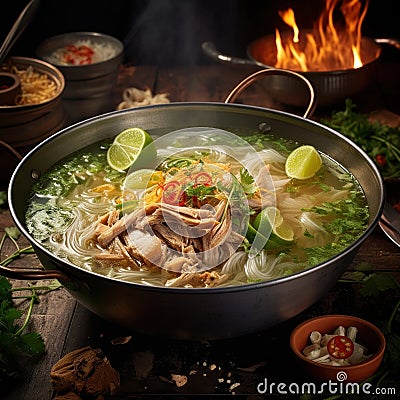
(390, 41)
(245, 83)
(210, 50)
(11, 150)
(37, 274)
(32, 274)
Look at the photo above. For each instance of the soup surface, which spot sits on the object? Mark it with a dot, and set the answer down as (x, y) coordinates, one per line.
(211, 209)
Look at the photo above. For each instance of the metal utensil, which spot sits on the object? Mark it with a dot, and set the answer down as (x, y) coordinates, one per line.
(19, 26)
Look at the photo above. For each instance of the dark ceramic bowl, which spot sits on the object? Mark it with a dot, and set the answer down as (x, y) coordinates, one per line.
(368, 335)
(89, 86)
(26, 125)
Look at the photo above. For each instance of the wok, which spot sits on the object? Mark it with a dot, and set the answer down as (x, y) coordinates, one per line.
(187, 313)
(331, 87)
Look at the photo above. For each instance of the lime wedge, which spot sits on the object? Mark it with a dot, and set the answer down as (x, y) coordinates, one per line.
(143, 179)
(284, 232)
(127, 148)
(270, 229)
(303, 162)
(272, 215)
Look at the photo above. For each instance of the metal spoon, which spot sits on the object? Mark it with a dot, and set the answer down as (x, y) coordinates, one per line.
(19, 26)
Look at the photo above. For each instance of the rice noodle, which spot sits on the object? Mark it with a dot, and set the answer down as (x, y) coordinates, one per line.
(95, 198)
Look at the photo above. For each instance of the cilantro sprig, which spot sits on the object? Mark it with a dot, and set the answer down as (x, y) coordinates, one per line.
(247, 181)
(16, 342)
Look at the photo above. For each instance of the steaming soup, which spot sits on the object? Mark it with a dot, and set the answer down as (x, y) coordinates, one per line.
(221, 212)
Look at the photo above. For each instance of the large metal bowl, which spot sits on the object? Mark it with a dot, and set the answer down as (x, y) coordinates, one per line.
(185, 313)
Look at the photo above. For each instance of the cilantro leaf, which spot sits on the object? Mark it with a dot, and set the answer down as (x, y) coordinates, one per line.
(33, 343)
(200, 191)
(247, 181)
(13, 232)
(374, 284)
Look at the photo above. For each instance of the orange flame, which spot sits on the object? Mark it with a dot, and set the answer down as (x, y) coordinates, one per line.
(327, 47)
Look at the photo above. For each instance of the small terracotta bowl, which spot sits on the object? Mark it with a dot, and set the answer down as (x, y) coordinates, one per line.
(10, 88)
(368, 335)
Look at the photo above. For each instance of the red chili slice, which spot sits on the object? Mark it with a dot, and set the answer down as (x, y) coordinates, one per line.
(85, 51)
(340, 347)
(381, 160)
(71, 48)
(173, 194)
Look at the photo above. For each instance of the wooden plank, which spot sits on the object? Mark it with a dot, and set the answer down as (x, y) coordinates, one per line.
(205, 83)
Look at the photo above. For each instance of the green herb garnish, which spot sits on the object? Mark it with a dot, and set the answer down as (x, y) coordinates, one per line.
(345, 219)
(381, 142)
(247, 182)
(74, 171)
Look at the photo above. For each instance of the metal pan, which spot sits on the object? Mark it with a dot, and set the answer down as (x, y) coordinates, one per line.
(187, 313)
(331, 87)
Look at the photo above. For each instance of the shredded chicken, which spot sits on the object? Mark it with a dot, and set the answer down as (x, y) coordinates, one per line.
(181, 240)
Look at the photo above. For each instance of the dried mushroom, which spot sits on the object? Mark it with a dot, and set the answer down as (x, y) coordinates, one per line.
(85, 371)
(133, 97)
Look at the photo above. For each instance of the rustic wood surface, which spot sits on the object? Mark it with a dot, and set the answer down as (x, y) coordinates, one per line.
(146, 363)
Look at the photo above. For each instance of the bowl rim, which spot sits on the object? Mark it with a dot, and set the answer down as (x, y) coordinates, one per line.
(371, 360)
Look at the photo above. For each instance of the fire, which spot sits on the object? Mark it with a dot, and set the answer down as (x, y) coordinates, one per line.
(328, 46)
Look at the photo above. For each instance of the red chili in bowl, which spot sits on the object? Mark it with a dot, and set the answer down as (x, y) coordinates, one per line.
(340, 347)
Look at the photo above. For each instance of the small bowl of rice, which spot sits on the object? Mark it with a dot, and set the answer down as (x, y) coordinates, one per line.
(90, 63)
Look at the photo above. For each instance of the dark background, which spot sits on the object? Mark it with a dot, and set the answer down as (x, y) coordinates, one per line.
(170, 32)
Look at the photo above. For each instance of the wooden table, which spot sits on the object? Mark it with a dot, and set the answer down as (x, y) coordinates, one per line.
(146, 363)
